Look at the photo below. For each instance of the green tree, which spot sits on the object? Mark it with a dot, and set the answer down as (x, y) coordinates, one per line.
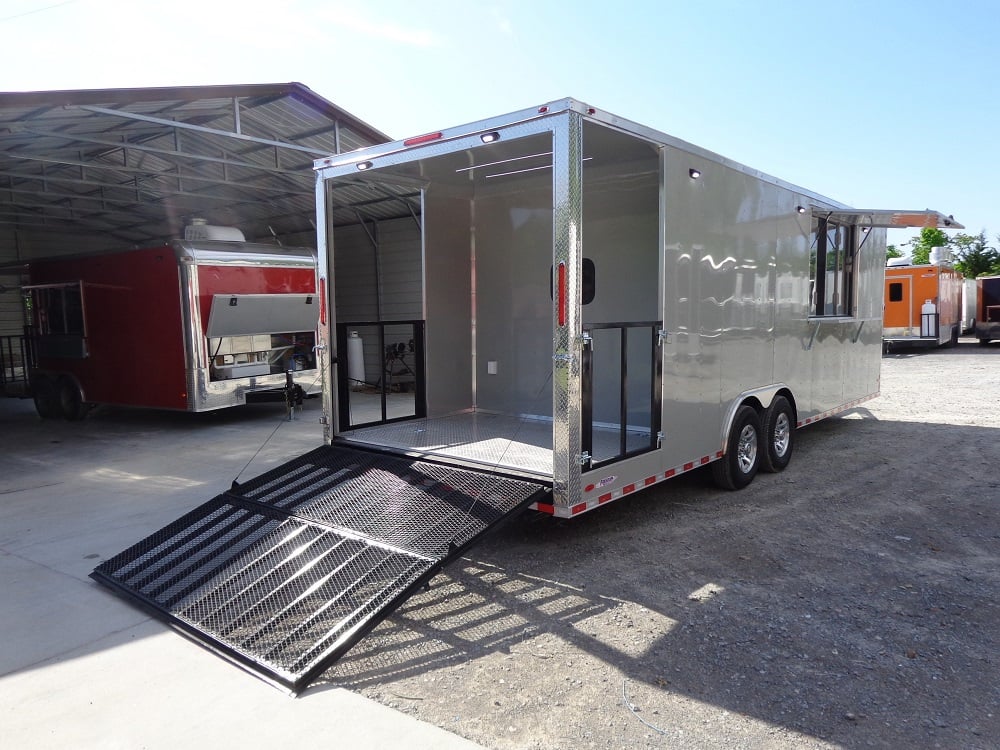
(891, 251)
(920, 247)
(974, 256)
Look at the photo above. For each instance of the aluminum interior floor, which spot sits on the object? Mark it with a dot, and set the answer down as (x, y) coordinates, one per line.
(499, 441)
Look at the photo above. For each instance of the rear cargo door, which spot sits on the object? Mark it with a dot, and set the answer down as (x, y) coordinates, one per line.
(284, 573)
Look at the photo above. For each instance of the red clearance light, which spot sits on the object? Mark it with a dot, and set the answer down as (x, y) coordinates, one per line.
(543, 110)
(562, 294)
(422, 139)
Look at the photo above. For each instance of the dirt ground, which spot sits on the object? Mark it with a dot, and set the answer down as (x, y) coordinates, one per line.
(850, 601)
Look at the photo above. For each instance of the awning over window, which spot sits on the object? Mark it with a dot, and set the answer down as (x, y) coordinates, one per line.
(889, 219)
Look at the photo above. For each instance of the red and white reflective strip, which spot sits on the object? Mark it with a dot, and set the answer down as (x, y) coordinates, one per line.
(563, 511)
(838, 410)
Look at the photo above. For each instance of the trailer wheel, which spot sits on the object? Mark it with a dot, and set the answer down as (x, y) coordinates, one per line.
(71, 402)
(737, 468)
(46, 397)
(779, 435)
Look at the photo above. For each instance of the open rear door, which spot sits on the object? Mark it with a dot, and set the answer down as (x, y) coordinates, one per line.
(284, 573)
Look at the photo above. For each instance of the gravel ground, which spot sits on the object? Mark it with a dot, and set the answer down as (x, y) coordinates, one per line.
(850, 601)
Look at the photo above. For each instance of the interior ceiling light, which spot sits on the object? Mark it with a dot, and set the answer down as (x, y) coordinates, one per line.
(363, 165)
(502, 161)
(694, 173)
(490, 137)
(522, 171)
(800, 209)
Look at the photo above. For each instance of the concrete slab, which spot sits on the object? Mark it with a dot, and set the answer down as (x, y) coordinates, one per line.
(81, 668)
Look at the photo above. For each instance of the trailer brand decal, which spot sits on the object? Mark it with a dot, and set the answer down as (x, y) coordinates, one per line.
(606, 481)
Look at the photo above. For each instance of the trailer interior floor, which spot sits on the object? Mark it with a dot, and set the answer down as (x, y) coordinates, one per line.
(504, 442)
(497, 441)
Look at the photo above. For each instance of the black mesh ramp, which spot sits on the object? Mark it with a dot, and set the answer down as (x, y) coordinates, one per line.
(283, 574)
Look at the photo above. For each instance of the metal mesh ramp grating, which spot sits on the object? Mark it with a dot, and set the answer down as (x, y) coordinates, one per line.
(283, 574)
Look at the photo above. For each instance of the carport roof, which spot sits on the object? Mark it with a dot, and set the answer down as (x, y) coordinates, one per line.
(136, 165)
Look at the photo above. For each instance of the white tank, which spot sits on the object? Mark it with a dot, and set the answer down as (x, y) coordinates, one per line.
(928, 326)
(355, 360)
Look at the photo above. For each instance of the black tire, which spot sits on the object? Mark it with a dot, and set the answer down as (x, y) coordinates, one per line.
(46, 397)
(737, 468)
(71, 402)
(779, 435)
(984, 342)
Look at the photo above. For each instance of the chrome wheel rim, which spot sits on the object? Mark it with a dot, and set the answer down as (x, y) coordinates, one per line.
(782, 435)
(746, 450)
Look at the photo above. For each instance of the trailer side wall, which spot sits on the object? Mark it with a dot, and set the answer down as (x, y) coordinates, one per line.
(134, 329)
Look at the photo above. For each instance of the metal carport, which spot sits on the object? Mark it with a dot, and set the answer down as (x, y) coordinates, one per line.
(104, 169)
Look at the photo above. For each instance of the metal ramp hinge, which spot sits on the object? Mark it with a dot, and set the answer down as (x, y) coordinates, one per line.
(587, 340)
(584, 459)
(664, 335)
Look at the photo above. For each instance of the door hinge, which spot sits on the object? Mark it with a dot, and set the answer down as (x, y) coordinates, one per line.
(584, 458)
(587, 340)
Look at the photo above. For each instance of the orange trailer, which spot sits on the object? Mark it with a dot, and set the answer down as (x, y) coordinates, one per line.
(923, 305)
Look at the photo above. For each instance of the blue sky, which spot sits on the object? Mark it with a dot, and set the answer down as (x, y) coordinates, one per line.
(876, 104)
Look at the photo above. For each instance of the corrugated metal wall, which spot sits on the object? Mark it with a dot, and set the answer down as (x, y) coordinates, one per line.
(11, 316)
(360, 296)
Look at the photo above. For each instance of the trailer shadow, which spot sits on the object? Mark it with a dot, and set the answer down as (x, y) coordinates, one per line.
(825, 600)
(966, 346)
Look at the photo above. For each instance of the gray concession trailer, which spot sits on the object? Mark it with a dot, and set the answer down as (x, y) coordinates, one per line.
(551, 309)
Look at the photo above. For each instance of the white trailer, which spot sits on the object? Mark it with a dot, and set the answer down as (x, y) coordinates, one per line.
(595, 303)
(550, 309)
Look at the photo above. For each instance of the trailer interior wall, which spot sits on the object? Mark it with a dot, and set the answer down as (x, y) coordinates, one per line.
(488, 276)
(449, 301)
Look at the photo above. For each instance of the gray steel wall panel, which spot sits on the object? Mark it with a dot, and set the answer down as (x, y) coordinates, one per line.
(448, 300)
(513, 301)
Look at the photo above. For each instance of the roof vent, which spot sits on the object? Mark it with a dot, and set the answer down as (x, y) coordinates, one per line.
(200, 229)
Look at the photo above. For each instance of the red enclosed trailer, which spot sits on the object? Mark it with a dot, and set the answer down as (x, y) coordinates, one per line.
(191, 325)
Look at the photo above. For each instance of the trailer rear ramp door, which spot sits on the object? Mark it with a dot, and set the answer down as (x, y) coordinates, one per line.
(285, 573)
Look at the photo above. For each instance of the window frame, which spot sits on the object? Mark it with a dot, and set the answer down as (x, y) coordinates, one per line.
(844, 251)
